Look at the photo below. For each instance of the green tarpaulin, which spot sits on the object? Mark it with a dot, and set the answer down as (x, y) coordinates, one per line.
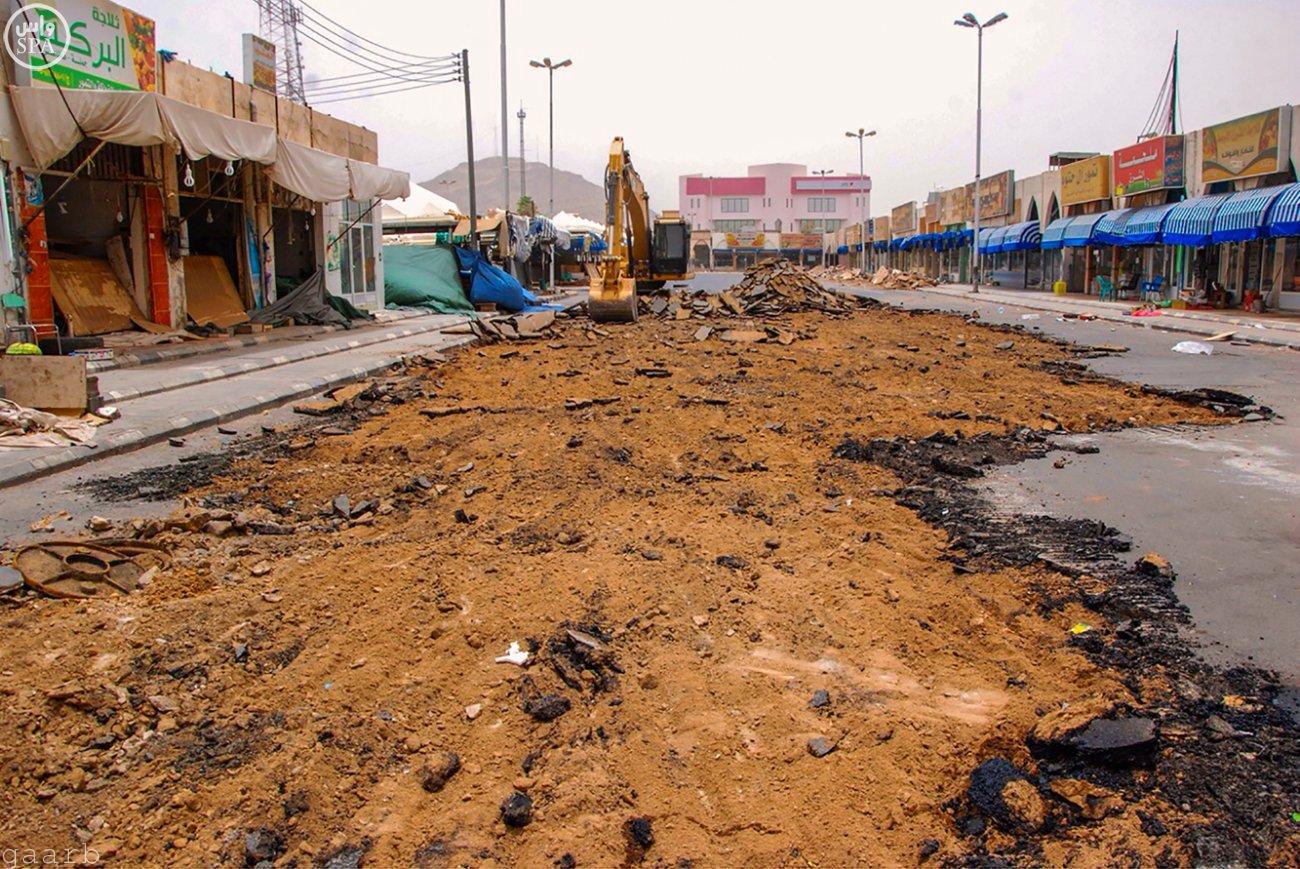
(423, 276)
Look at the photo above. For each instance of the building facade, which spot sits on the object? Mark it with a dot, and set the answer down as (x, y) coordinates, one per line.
(775, 209)
(139, 199)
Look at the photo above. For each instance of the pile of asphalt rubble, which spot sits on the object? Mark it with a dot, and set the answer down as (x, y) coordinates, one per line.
(1221, 748)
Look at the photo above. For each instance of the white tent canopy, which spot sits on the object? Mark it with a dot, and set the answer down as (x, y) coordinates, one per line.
(53, 128)
(573, 223)
(421, 204)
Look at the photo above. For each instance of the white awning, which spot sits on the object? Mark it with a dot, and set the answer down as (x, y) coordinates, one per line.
(51, 130)
(312, 174)
(201, 133)
(139, 118)
(375, 182)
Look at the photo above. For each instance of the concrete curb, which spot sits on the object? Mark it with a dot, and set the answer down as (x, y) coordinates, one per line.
(132, 439)
(1185, 325)
(311, 351)
(169, 352)
(126, 440)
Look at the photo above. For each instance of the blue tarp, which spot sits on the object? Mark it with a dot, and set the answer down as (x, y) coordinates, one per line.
(1242, 216)
(489, 284)
(1284, 219)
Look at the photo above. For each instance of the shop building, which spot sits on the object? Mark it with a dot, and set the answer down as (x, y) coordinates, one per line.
(776, 209)
(174, 194)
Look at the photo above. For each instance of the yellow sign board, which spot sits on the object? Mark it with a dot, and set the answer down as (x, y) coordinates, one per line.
(880, 229)
(1242, 148)
(1085, 180)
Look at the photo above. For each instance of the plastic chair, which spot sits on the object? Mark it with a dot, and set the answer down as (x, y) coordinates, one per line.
(1153, 288)
(1105, 289)
(16, 304)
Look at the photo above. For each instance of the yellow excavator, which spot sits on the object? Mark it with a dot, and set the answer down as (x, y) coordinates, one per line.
(640, 256)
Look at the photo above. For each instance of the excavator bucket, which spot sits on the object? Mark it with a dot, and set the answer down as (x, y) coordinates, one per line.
(612, 297)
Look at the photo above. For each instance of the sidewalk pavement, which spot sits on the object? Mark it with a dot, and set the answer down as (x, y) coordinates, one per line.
(166, 374)
(1259, 330)
(128, 357)
(250, 383)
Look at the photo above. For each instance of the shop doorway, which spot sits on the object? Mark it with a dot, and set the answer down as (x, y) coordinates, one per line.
(295, 247)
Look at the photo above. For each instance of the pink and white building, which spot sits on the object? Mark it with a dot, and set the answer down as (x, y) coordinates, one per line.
(774, 198)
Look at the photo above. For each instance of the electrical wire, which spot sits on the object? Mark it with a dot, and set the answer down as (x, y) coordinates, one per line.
(392, 72)
(381, 80)
(373, 91)
(449, 61)
(396, 90)
(325, 21)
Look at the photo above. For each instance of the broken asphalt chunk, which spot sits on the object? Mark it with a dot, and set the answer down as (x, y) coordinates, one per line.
(517, 810)
(435, 775)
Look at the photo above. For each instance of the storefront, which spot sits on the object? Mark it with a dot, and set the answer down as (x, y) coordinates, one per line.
(1085, 195)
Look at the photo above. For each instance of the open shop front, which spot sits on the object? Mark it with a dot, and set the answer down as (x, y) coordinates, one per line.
(91, 208)
(222, 270)
(295, 251)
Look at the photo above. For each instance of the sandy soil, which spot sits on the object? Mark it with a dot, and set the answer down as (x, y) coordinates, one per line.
(697, 528)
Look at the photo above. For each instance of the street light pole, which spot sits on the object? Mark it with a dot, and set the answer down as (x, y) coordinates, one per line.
(969, 20)
(545, 63)
(505, 118)
(823, 173)
(861, 135)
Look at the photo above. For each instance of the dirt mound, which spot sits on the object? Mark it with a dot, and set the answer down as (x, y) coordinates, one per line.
(567, 603)
(770, 288)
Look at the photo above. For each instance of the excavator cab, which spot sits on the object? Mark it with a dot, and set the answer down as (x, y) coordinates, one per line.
(670, 247)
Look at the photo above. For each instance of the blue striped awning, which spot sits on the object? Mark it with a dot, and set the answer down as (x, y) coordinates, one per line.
(1145, 225)
(1110, 229)
(1078, 233)
(1242, 216)
(986, 236)
(1022, 236)
(1284, 219)
(994, 242)
(1191, 221)
(882, 245)
(896, 244)
(844, 248)
(1054, 235)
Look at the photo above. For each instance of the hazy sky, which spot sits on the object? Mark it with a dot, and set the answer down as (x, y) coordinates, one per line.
(711, 87)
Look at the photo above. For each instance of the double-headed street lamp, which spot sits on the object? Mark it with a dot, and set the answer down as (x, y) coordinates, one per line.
(545, 63)
(861, 136)
(969, 20)
(822, 173)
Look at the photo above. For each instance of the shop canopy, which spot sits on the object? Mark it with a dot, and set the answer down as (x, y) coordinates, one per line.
(1241, 218)
(1054, 235)
(1078, 232)
(1191, 221)
(54, 122)
(882, 245)
(1110, 229)
(1284, 219)
(842, 249)
(1021, 236)
(986, 235)
(1145, 225)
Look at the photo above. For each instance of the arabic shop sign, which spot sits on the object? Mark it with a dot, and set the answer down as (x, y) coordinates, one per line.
(259, 63)
(1245, 147)
(1151, 165)
(880, 229)
(902, 218)
(952, 206)
(1085, 180)
(80, 44)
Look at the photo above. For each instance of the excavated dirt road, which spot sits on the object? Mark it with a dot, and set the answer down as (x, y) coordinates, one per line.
(758, 632)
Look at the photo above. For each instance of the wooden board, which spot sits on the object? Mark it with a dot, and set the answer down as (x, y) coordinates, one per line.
(92, 299)
(53, 383)
(210, 294)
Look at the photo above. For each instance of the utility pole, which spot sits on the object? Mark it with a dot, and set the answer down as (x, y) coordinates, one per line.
(545, 63)
(523, 162)
(505, 117)
(469, 148)
(823, 173)
(969, 20)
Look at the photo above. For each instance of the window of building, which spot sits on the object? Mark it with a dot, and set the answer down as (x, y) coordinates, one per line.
(735, 205)
(819, 225)
(356, 246)
(821, 204)
(734, 225)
